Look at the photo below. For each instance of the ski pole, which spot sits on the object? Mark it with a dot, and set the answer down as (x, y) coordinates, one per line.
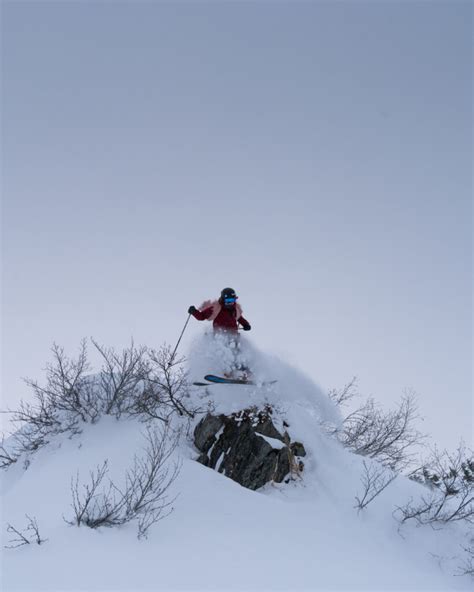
(179, 340)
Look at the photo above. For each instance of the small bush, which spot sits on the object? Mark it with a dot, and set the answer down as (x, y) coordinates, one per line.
(389, 437)
(450, 479)
(375, 479)
(144, 496)
(139, 382)
(30, 534)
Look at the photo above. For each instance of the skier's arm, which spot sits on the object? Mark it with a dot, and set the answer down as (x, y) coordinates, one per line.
(200, 315)
(245, 324)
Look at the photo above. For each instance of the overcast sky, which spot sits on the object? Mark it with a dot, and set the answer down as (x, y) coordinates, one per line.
(315, 156)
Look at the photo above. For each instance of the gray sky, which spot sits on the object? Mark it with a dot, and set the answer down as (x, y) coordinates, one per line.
(317, 157)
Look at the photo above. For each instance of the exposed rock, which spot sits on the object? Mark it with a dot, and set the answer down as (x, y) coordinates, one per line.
(298, 449)
(247, 447)
(205, 437)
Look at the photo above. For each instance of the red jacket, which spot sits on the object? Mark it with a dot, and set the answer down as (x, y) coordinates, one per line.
(225, 318)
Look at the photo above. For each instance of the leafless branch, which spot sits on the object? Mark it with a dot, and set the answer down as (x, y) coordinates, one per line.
(450, 480)
(375, 479)
(7, 457)
(25, 537)
(121, 378)
(144, 496)
(467, 566)
(57, 407)
(89, 508)
(33, 529)
(168, 381)
(16, 542)
(149, 479)
(388, 437)
(343, 396)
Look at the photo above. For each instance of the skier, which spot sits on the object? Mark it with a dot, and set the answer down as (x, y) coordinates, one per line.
(226, 316)
(225, 313)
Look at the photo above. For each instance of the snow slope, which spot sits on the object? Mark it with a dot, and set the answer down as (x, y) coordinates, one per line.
(305, 535)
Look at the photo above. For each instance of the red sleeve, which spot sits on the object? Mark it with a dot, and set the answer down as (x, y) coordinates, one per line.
(202, 315)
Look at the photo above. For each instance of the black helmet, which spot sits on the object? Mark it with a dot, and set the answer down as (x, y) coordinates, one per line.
(228, 297)
(228, 293)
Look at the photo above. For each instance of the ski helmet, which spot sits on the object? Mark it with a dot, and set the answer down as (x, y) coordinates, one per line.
(228, 296)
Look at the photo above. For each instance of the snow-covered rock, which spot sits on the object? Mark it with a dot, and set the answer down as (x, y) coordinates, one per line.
(247, 447)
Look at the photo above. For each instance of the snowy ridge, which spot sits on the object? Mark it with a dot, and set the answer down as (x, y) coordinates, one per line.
(304, 535)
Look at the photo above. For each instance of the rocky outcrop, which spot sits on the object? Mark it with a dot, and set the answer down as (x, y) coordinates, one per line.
(247, 447)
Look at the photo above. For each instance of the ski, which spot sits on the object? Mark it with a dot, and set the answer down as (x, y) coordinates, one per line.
(222, 380)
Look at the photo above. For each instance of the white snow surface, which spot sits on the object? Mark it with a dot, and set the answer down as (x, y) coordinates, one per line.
(304, 535)
(274, 443)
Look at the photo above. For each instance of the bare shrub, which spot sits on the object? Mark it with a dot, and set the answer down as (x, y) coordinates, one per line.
(148, 481)
(388, 437)
(135, 382)
(30, 534)
(144, 496)
(148, 404)
(450, 479)
(121, 378)
(7, 457)
(347, 393)
(89, 507)
(167, 383)
(67, 387)
(467, 566)
(59, 406)
(375, 479)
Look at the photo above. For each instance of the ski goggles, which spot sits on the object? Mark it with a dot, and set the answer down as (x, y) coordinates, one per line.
(230, 300)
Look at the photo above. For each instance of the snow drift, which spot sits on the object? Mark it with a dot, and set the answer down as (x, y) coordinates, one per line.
(301, 535)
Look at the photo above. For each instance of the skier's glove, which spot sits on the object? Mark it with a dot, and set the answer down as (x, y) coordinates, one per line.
(192, 310)
(246, 327)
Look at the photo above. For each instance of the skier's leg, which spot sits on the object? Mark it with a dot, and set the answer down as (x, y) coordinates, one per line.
(241, 368)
